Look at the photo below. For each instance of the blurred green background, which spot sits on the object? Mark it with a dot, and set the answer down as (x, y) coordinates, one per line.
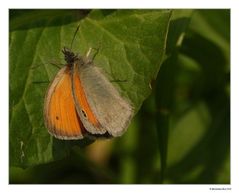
(181, 134)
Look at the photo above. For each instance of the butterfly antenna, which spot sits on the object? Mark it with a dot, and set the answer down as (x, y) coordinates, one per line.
(77, 29)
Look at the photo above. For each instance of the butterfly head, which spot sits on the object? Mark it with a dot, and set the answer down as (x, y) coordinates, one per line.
(70, 57)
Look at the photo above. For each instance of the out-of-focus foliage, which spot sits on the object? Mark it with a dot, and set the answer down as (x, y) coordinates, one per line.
(181, 134)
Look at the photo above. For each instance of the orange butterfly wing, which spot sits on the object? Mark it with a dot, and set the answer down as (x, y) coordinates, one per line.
(89, 120)
(60, 114)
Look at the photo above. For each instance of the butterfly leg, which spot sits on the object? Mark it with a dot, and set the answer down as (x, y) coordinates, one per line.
(90, 59)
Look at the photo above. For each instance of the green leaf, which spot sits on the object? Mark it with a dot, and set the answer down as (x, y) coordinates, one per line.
(131, 48)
